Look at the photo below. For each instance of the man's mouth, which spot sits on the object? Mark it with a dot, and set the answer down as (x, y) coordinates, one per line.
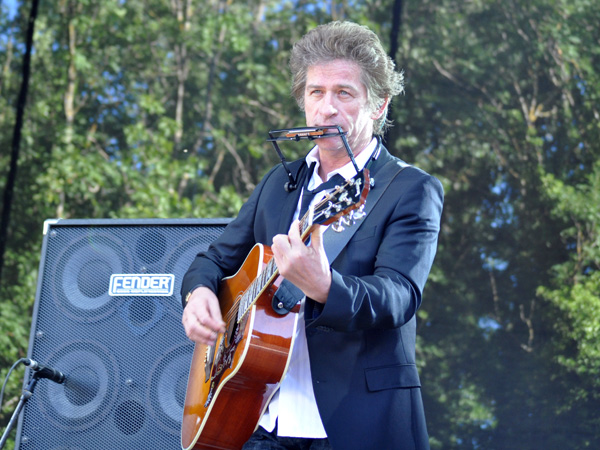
(330, 128)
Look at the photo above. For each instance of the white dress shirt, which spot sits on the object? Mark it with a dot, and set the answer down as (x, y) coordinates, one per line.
(293, 407)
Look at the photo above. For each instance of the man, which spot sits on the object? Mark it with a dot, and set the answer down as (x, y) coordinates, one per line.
(352, 382)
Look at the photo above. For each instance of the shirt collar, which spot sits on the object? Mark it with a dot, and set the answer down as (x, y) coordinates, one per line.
(346, 171)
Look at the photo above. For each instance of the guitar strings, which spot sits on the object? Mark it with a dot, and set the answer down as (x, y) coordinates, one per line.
(271, 266)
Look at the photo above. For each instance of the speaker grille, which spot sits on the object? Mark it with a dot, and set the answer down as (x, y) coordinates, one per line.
(126, 358)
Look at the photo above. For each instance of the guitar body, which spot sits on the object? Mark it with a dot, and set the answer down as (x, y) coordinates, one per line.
(230, 385)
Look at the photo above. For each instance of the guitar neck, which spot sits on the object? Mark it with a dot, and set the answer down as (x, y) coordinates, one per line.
(268, 274)
(343, 200)
(257, 287)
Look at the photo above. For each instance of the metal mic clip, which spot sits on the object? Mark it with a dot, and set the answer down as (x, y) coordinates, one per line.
(45, 372)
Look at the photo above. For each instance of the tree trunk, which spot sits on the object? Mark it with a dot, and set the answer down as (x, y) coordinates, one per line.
(16, 141)
(390, 135)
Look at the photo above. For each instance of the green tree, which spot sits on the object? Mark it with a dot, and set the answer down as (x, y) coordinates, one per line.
(493, 102)
(149, 108)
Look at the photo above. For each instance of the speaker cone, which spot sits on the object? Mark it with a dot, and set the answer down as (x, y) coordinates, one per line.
(89, 391)
(82, 273)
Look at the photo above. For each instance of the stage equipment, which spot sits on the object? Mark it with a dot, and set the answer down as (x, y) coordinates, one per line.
(107, 316)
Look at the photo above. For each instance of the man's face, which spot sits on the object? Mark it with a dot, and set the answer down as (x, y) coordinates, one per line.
(335, 95)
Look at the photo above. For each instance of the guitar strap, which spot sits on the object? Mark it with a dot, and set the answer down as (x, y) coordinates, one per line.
(288, 295)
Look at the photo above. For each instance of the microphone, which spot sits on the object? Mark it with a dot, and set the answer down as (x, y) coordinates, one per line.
(45, 372)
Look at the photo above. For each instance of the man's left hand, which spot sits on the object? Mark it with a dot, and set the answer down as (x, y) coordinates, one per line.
(306, 266)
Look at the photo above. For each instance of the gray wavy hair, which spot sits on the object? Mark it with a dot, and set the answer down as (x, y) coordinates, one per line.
(353, 42)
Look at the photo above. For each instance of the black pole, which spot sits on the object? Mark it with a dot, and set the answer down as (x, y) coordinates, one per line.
(16, 141)
(25, 395)
(394, 45)
(395, 30)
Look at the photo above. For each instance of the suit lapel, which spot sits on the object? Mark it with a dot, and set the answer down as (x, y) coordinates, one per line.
(333, 241)
(382, 177)
(384, 158)
(290, 202)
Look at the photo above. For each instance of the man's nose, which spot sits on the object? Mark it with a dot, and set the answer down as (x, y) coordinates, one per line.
(328, 106)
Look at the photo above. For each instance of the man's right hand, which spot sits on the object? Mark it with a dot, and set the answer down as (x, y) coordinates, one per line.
(202, 318)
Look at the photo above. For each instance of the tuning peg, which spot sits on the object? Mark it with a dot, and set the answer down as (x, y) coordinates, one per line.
(337, 227)
(359, 214)
(344, 221)
(345, 199)
(336, 206)
(351, 218)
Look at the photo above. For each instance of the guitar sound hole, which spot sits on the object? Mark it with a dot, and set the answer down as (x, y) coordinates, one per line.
(231, 329)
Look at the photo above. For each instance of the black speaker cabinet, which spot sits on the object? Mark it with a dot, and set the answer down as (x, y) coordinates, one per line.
(108, 315)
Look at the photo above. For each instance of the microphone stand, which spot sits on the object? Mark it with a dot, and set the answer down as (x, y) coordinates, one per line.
(27, 393)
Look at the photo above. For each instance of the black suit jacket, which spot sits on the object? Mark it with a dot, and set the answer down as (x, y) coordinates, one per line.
(362, 341)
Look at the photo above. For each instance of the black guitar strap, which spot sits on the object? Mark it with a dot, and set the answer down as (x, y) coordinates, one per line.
(288, 295)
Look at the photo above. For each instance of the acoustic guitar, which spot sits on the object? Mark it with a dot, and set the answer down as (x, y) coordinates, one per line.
(231, 383)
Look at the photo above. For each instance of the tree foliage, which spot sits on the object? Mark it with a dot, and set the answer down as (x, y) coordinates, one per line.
(155, 108)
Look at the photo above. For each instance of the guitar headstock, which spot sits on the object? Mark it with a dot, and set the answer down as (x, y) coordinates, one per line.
(343, 206)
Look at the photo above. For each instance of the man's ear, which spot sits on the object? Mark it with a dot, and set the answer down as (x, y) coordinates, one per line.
(381, 109)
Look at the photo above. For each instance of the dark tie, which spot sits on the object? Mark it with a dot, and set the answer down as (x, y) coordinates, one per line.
(308, 195)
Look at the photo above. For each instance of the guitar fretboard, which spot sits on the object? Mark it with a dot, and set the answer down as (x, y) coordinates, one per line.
(256, 288)
(337, 203)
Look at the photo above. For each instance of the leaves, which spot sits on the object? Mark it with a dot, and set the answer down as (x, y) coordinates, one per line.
(161, 109)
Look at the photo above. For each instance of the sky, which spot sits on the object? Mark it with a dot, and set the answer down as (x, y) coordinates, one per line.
(10, 6)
